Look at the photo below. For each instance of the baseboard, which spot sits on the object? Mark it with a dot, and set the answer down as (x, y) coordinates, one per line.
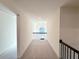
(53, 48)
(19, 57)
(1, 53)
(7, 49)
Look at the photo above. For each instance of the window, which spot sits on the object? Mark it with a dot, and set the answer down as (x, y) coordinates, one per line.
(39, 29)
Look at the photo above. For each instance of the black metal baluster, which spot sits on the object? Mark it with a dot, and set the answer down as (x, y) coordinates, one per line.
(78, 55)
(70, 54)
(73, 54)
(61, 51)
(67, 52)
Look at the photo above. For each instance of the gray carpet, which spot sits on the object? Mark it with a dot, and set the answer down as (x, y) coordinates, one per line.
(39, 49)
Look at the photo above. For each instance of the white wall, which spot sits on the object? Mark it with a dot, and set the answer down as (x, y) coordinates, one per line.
(24, 33)
(69, 26)
(53, 30)
(8, 37)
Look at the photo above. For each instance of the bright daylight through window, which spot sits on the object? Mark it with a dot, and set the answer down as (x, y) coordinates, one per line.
(39, 28)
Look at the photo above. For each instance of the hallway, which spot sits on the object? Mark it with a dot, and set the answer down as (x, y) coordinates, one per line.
(39, 49)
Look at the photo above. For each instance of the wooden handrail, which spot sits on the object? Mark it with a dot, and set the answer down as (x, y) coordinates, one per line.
(66, 51)
(75, 50)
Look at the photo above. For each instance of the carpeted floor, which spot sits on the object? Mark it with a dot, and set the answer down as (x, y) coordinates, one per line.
(39, 49)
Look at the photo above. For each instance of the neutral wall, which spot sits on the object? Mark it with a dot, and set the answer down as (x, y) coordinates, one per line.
(23, 29)
(25, 33)
(69, 26)
(8, 37)
(53, 30)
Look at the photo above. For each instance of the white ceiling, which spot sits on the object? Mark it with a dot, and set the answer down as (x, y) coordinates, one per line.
(42, 7)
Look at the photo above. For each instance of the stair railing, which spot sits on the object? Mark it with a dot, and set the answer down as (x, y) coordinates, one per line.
(68, 52)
